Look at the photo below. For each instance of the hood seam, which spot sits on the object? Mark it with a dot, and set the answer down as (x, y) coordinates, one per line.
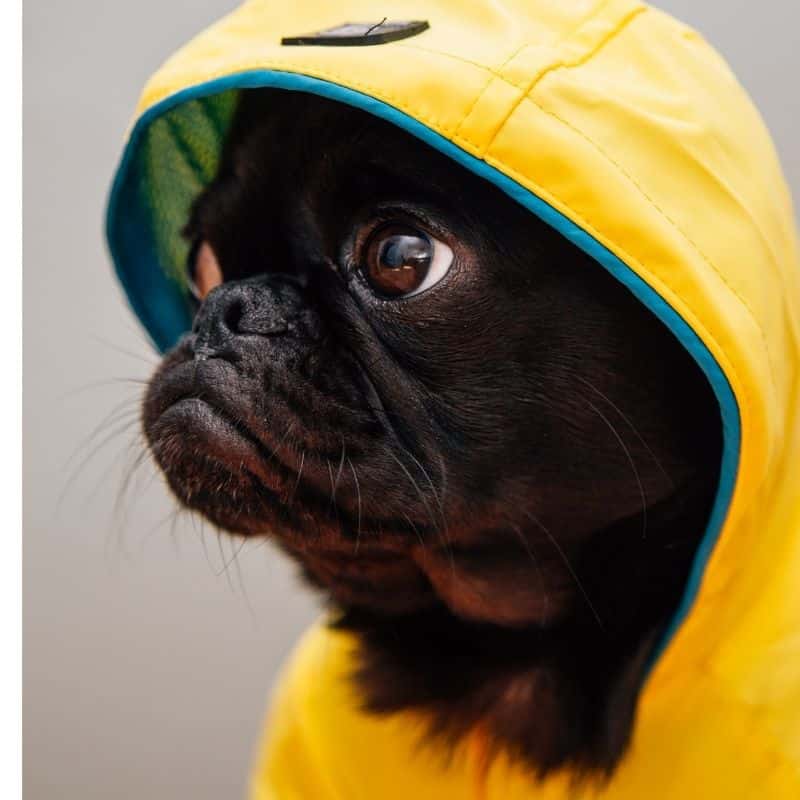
(581, 59)
(491, 79)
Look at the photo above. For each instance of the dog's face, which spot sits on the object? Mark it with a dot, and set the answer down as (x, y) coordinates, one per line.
(423, 393)
(453, 418)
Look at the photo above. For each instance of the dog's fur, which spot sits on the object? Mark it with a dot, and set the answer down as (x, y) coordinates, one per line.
(500, 482)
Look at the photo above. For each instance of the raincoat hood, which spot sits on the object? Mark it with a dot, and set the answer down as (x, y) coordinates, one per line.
(626, 132)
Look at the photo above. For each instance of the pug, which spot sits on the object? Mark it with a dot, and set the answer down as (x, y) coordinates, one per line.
(493, 462)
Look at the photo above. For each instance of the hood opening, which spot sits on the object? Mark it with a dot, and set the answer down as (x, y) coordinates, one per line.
(173, 153)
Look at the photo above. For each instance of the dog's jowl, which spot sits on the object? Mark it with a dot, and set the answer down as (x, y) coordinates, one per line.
(489, 381)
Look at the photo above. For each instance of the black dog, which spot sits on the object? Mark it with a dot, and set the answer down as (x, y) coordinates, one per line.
(492, 458)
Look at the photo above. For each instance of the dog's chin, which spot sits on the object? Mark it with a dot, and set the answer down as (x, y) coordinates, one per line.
(381, 582)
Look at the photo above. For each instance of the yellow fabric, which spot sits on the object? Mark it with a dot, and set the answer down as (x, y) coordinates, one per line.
(628, 123)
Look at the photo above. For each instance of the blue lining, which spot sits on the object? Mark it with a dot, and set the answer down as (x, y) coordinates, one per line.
(163, 309)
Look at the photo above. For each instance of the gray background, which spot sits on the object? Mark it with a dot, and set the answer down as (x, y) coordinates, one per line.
(146, 661)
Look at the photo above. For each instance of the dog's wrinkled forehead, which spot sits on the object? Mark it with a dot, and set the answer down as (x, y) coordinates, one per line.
(324, 137)
(305, 151)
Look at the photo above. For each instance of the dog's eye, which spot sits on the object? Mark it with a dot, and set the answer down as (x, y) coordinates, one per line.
(204, 270)
(401, 261)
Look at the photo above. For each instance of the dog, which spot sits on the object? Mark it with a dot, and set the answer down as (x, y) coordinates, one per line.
(493, 462)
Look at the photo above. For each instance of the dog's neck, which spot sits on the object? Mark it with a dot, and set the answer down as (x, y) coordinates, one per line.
(562, 697)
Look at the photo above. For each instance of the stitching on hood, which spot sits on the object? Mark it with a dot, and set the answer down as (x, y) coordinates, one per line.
(582, 59)
(492, 77)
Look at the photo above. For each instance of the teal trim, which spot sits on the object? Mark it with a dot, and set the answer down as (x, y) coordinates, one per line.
(163, 309)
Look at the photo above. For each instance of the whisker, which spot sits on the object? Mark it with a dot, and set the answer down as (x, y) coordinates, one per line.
(430, 483)
(234, 559)
(443, 479)
(627, 452)
(414, 528)
(341, 465)
(123, 409)
(127, 452)
(416, 486)
(224, 563)
(245, 594)
(358, 496)
(332, 504)
(443, 531)
(630, 424)
(121, 511)
(151, 362)
(99, 385)
(119, 516)
(141, 458)
(117, 431)
(198, 526)
(173, 533)
(297, 479)
(170, 517)
(235, 553)
(140, 335)
(287, 433)
(564, 558)
(532, 556)
(202, 536)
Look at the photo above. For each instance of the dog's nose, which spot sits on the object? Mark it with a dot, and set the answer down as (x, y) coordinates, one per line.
(263, 306)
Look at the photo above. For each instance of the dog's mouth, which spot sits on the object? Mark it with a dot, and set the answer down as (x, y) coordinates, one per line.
(271, 470)
(220, 437)
(214, 458)
(217, 465)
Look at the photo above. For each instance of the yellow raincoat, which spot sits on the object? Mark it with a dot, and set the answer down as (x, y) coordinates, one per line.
(624, 130)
